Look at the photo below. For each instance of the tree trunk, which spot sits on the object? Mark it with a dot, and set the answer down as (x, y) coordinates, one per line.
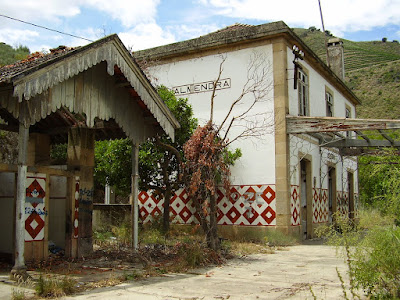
(167, 198)
(212, 234)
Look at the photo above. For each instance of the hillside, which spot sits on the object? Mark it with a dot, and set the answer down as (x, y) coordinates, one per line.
(372, 72)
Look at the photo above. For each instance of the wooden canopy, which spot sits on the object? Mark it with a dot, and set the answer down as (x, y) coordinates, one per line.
(98, 85)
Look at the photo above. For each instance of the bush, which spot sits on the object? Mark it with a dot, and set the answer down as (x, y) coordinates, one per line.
(376, 262)
(371, 252)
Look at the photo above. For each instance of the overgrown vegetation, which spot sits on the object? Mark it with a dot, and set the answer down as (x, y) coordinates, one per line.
(53, 288)
(371, 253)
(379, 179)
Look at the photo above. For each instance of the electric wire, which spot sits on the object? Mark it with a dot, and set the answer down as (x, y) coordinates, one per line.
(43, 27)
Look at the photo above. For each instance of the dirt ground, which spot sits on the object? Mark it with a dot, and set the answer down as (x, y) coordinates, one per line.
(297, 272)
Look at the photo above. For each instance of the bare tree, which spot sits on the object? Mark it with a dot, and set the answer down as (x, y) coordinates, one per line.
(207, 155)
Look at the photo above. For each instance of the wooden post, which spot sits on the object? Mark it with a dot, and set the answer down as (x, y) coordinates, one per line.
(19, 268)
(134, 196)
(80, 155)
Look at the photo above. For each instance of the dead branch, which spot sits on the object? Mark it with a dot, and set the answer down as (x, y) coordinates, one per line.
(256, 88)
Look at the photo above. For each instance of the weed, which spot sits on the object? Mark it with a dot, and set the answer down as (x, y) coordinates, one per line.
(312, 292)
(247, 248)
(134, 275)
(18, 294)
(48, 287)
(371, 255)
(277, 238)
(342, 284)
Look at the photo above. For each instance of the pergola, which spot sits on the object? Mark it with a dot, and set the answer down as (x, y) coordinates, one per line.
(74, 95)
(331, 132)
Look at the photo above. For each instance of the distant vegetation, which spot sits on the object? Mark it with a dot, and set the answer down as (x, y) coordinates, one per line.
(9, 55)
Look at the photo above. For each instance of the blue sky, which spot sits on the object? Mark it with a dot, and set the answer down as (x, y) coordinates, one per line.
(149, 23)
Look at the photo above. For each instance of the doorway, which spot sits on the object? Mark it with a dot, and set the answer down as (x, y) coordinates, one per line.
(332, 193)
(57, 213)
(306, 198)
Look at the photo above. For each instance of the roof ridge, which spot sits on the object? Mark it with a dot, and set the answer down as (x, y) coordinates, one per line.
(234, 26)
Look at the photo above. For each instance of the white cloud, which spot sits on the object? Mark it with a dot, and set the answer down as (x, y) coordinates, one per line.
(32, 11)
(145, 36)
(339, 15)
(16, 37)
(184, 32)
(129, 13)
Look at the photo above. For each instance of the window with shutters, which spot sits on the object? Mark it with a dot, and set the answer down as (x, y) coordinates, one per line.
(329, 103)
(302, 80)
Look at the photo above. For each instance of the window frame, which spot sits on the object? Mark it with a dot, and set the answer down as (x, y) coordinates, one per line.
(303, 92)
(329, 102)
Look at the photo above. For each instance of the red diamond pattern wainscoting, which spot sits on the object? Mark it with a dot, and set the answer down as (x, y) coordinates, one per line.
(35, 211)
(343, 203)
(247, 205)
(295, 204)
(320, 206)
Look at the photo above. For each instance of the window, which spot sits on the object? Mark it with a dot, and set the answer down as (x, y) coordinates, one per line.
(329, 104)
(348, 112)
(303, 93)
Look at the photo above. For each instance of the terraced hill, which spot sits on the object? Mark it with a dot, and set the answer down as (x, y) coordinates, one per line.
(372, 72)
(357, 54)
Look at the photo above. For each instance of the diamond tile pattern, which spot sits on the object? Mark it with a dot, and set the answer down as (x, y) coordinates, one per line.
(295, 204)
(320, 206)
(248, 205)
(35, 211)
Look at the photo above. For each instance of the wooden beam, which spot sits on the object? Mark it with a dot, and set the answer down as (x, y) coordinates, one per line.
(386, 137)
(331, 124)
(347, 143)
(359, 133)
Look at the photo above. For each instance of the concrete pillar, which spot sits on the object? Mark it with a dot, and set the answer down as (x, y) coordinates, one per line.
(282, 153)
(80, 157)
(19, 268)
(134, 195)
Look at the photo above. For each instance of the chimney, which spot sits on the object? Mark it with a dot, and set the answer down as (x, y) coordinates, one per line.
(336, 56)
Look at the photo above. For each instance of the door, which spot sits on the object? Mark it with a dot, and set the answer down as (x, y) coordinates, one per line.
(305, 198)
(332, 193)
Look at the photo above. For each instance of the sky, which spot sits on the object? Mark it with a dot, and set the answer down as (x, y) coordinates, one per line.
(143, 24)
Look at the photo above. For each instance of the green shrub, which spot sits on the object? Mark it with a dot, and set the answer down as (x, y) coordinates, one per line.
(376, 262)
(371, 253)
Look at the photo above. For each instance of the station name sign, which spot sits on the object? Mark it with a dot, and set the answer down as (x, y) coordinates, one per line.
(201, 87)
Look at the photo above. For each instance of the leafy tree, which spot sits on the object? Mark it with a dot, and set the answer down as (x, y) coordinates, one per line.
(379, 181)
(9, 55)
(113, 165)
(160, 159)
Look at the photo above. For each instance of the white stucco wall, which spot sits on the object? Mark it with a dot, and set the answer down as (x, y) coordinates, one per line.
(257, 164)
